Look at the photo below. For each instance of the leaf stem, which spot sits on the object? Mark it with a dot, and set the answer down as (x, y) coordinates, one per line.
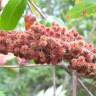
(38, 9)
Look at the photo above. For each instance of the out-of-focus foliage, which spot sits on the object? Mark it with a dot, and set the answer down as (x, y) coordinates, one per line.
(49, 92)
(28, 81)
(81, 10)
(2, 93)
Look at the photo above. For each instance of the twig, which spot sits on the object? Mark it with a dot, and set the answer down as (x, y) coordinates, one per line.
(86, 89)
(74, 83)
(54, 80)
(23, 65)
(39, 10)
(30, 6)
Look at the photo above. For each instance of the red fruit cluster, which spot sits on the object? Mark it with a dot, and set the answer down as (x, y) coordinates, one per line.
(50, 45)
(83, 67)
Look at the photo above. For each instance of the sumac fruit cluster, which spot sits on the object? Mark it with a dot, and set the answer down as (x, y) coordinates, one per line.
(51, 45)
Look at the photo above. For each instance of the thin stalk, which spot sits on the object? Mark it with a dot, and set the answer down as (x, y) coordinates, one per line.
(74, 83)
(85, 88)
(54, 80)
(30, 6)
(23, 65)
(38, 9)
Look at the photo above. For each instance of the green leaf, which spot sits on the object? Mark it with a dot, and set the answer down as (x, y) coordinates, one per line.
(11, 72)
(82, 9)
(11, 14)
(2, 93)
(31, 62)
(13, 61)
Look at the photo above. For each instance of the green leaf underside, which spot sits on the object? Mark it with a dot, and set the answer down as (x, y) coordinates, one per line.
(11, 14)
(78, 10)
